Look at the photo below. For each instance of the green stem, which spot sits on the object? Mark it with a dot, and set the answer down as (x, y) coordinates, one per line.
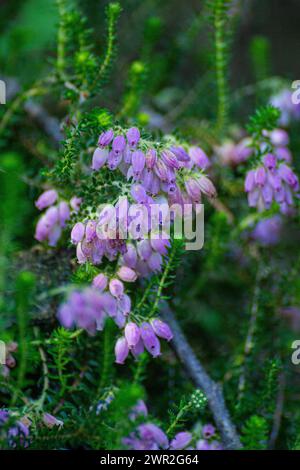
(179, 416)
(162, 281)
(61, 38)
(220, 61)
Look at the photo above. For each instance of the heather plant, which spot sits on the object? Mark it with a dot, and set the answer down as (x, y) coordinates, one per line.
(104, 309)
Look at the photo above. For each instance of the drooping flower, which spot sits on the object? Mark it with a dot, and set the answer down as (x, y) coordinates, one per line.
(181, 440)
(121, 350)
(46, 199)
(161, 329)
(105, 138)
(50, 421)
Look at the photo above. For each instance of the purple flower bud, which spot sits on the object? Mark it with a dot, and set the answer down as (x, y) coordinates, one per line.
(140, 409)
(81, 257)
(260, 176)
(144, 249)
(90, 230)
(180, 154)
(46, 199)
(50, 421)
(208, 431)
(75, 203)
(65, 316)
(138, 162)
(170, 159)
(138, 349)
(127, 155)
(124, 304)
(202, 444)
(155, 186)
(161, 329)
(77, 233)
(279, 138)
(100, 281)
(253, 197)
(288, 176)
(270, 161)
(118, 145)
(114, 160)
(105, 138)
(116, 287)
(193, 189)
(130, 257)
(155, 262)
(151, 158)
(127, 274)
(160, 245)
(109, 304)
(132, 334)
(147, 180)
(139, 194)
(150, 340)
(282, 153)
(199, 157)
(99, 158)
(207, 186)
(51, 216)
(161, 170)
(181, 440)
(150, 431)
(63, 213)
(267, 194)
(121, 350)
(133, 136)
(250, 181)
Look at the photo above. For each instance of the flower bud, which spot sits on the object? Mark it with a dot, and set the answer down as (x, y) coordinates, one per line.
(77, 233)
(118, 145)
(100, 282)
(199, 157)
(105, 138)
(116, 288)
(121, 350)
(127, 274)
(181, 440)
(151, 158)
(133, 136)
(150, 340)
(46, 199)
(170, 159)
(138, 162)
(161, 329)
(132, 334)
(99, 158)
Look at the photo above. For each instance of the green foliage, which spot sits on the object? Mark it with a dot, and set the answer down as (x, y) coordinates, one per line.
(25, 285)
(254, 433)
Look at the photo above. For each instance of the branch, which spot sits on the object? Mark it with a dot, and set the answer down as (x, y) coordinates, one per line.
(201, 379)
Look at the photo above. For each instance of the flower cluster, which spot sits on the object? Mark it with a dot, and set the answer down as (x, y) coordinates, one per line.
(51, 223)
(136, 338)
(17, 434)
(233, 153)
(273, 180)
(158, 171)
(289, 110)
(89, 308)
(149, 436)
(155, 176)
